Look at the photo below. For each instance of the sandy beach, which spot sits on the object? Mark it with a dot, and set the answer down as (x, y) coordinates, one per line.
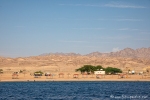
(56, 64)
(7, 77)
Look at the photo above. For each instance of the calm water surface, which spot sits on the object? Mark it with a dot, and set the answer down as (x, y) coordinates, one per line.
(74, 90)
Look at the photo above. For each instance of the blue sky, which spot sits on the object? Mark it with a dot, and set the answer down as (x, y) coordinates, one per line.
(34, 27)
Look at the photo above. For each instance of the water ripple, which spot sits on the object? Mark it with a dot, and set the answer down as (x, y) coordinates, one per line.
(74, 90)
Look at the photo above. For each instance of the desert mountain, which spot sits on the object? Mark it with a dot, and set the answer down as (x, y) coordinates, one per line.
(126, 58)
(127, 52)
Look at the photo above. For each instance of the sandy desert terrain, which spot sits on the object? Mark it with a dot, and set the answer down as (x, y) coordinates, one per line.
(67, 63)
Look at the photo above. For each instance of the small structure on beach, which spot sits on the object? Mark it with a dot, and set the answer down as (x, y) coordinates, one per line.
(48, 75)
(38, 74)
(122, 75)
(100, 73)
(75, 75)
(1, 71)
(15, 75)
(84, 75)
(146, 72)
(68, 75)
(61, 75)
(131, 72)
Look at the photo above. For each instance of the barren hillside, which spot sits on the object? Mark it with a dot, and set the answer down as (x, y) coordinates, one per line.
(127, 52)
(124, 59)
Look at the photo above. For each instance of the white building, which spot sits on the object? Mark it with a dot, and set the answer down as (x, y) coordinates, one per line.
(99, 72)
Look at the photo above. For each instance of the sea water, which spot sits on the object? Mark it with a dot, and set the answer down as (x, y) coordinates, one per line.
(75, 90)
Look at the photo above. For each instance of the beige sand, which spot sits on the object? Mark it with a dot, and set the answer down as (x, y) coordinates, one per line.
(28, 77)
(67, 64)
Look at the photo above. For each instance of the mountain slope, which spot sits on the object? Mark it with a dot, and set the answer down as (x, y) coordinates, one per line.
(126, 58)
(127, 52)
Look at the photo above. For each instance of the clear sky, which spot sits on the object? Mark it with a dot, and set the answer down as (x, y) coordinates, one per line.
(34, 27)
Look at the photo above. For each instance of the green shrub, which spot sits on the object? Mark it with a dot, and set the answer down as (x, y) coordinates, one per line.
(38, 73)
(111, 70)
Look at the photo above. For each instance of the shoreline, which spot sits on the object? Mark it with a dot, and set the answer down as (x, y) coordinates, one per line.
(65, 78)
(77, 80)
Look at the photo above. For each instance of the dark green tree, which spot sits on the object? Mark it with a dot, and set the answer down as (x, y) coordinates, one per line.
(111, 70)
(86, 68)
(89, 68)
(99, 67)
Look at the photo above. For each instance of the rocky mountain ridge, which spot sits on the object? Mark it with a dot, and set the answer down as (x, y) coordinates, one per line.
(127, 58)
(127, 52)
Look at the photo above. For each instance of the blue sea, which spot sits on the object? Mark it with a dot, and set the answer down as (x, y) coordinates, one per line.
(74, 90)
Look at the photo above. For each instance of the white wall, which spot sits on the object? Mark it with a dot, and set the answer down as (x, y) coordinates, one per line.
(99, 72)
